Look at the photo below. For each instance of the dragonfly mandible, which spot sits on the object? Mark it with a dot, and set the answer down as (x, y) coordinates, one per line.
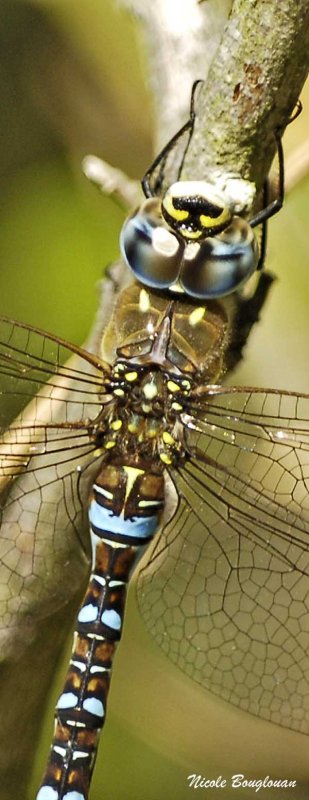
(146, 441)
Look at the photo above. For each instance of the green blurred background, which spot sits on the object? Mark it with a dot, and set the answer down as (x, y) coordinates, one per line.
(71, 83)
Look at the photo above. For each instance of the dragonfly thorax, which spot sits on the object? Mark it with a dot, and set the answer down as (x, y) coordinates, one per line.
(175, 338)
(145, 414)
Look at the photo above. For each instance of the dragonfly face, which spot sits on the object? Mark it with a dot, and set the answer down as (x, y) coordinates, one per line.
(184, 249)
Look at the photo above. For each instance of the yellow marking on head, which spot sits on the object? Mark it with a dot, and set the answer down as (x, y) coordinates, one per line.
(167, 438)
(187, 233)
(116, 425)
(173, 387)
(215, 222)
(165, 458)
(144, 301)
(186, 384)
(176, 213)
(119, 392)
(197, 315)
(177, 407)
(131, 376)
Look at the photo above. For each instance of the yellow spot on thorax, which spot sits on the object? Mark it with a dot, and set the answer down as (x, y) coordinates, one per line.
(167, 438)
(165, 458)
(177, 407)
(130, 376)
(144, 301)
(116, 425)
(151, 433)
(133, 426)
(196, 316)
(150, 390)
(173, 387)
(108, 445)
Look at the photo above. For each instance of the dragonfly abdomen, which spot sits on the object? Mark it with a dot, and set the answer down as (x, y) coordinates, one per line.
(124, 514)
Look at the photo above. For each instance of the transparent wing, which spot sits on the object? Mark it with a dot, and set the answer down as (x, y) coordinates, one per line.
(43, 477)
(30, 357)
(226, 592)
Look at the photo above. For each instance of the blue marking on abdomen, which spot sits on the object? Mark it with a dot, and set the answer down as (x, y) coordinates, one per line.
(140, 527)
(47, 793)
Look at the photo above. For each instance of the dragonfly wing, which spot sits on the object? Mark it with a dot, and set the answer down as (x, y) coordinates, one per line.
(226, 593)
(33, 362)
(47, 403)
(43, 485)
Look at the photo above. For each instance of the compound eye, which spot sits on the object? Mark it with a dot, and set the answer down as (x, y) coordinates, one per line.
(221, 264)
(151, 250)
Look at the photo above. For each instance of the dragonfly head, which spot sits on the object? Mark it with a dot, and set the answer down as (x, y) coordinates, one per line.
(189, 244)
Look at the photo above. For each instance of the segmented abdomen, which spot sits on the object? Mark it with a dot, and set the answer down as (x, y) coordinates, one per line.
(124, 514)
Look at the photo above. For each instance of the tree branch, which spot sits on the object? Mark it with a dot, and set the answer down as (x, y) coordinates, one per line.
(253, 56)
(252, 87)
(180, 41)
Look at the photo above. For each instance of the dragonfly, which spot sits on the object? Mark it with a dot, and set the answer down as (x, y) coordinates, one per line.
(154, 455)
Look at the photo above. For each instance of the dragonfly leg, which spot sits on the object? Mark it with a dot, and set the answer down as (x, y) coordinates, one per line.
(247, 315)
